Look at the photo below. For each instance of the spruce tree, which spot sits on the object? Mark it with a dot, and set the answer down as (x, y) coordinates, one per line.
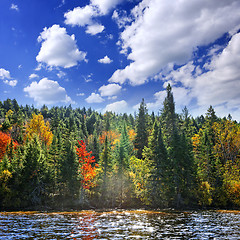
(34, 173)
(141, 129)
(124, 151)
(179, 156)
(69, 170)
(105, 163)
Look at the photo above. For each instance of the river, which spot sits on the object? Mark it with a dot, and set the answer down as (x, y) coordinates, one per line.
(137, 224)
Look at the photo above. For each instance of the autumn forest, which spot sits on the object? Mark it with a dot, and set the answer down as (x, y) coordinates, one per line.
(61, 157)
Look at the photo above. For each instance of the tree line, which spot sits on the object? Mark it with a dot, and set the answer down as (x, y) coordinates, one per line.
(63, 157)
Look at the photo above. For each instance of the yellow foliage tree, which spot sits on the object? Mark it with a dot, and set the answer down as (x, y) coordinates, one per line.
(131, 134)
(227, 141)
(113, 137)
(227, 151)
(39, 127)
(231, 181)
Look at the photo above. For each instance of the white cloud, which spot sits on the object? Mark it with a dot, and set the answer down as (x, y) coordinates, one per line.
(109, 90)
(105, 6)
(4, 74)
(85, 16)
(117, 107)
(221, 84)
(33, 75)
(218, 85)
(121, 18)
(94, 98)
(11, 83)
(6, 77)
(94, 29)
(14, 7)
(58, 48)
(80, 16)
(174, 29)
(47, 92)
(105, 60)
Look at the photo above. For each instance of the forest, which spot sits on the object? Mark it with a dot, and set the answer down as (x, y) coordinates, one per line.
(62, 157)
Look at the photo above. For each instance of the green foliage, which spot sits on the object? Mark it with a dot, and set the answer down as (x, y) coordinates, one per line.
(141, 129)
(161, 161)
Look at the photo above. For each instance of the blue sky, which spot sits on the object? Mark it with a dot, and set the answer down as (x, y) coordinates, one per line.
(109, 54)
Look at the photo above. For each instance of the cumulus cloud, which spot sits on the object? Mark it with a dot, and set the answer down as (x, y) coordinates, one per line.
(94, 29)
(33, 75)
(109, 90)
(80, 16)
(105, 60)
(47, 92)
(86, 16)
(94, 98)
(174, 29)
(4, 74)
(117, 107)
(218, 85)
(6, 77)
(58, 48)
(221, 84)
(104, 6)
(121, 18)
(11, 83)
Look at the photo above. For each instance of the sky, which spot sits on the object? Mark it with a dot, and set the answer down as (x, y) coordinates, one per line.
(109, 54)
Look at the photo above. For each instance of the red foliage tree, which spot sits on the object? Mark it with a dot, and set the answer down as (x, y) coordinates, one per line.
(88, 168)
(5, 140)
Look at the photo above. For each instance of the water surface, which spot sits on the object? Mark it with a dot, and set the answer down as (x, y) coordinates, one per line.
(139, 224)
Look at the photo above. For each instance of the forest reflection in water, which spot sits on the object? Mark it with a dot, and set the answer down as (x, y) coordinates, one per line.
(121, 224)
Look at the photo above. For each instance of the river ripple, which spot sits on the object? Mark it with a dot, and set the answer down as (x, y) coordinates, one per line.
(138, 224)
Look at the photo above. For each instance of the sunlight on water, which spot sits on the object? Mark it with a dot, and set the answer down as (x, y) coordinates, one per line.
(139, 224)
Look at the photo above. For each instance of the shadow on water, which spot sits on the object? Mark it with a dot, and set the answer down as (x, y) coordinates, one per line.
(121, 224)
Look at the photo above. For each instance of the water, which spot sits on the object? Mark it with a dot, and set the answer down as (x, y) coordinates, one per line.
(138, 224)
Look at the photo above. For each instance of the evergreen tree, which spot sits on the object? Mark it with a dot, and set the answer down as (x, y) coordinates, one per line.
(90, 123)
(105, 163)
(95, 147)
(158, 155)
(179, 156)
(141, 129)
(124, 152)
(34, 173)
(69, 170)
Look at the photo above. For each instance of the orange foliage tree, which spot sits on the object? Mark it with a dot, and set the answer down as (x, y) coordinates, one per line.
(5, 140)
(88, 168)
(113, 137)
(39, 127)
(131, 134)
